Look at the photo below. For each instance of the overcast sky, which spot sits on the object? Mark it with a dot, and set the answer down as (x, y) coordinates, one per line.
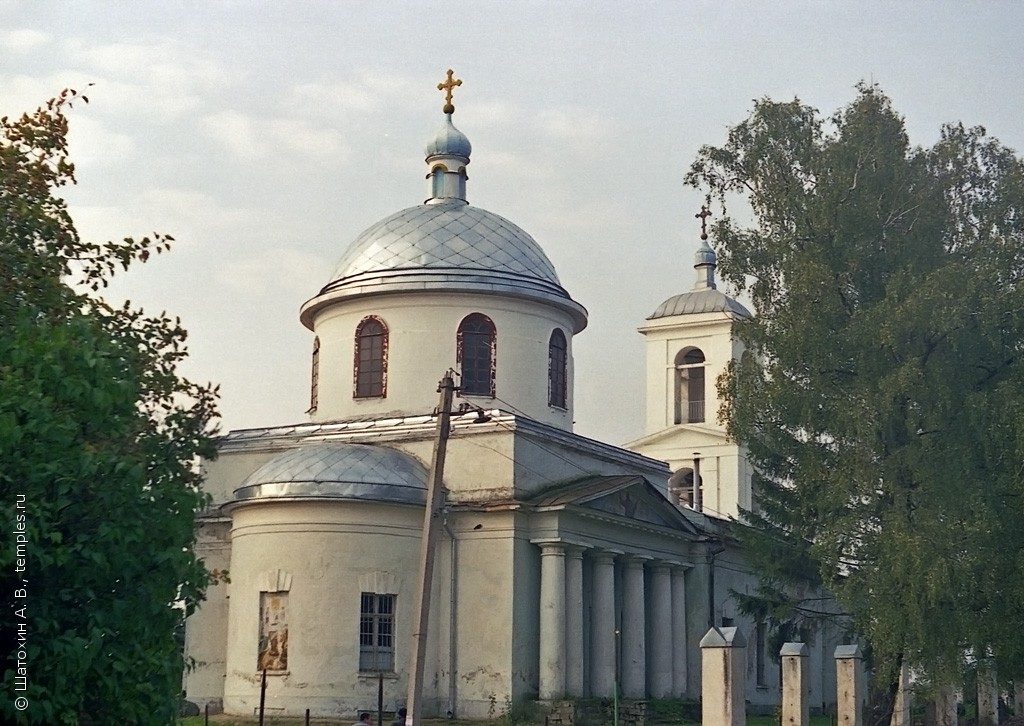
(266, 136)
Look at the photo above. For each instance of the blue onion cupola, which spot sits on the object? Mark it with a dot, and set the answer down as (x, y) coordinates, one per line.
(705, 260)
(448, 153)
(705, 297)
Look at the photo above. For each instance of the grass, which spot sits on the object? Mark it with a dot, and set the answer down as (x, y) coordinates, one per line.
(222, 720)
(769, 721)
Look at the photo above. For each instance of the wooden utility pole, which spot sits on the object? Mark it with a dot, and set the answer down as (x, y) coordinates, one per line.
(431, 529)
(698, 493)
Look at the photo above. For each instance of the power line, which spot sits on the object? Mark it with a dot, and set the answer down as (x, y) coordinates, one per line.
(738, 570)
(705, 532)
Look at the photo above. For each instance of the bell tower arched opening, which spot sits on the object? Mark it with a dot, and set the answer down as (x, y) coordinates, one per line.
(689, 386)
(680, 487)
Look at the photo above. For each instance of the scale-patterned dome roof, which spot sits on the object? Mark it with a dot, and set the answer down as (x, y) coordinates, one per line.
(445, 236)
(447, 246)
(336, 470)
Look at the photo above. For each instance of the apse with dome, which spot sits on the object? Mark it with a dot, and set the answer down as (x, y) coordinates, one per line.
(566, 567)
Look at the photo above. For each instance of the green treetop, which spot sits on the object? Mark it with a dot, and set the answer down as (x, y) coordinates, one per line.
(99, 438)
(882, 394)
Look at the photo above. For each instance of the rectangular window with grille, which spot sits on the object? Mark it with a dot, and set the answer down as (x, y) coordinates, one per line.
(376, 632)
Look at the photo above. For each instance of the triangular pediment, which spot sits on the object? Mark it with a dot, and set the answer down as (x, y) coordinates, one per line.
(637, 503)
(684, 435)
(630, 496)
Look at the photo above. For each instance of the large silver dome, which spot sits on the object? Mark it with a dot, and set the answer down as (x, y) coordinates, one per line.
(448, 246)
(336, 470)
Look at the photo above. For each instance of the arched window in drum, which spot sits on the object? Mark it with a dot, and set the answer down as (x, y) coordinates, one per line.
(314, 381)
(371, 359)
(558, 375)
(477, 343)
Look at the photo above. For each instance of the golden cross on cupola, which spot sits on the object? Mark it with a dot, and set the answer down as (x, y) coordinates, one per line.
(448, 86)
(703, 217)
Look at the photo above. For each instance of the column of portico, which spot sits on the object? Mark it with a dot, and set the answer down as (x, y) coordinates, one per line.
(633, 626)
(602, 626)
(679, 632)
(552, 620)
(662, 632)
(574, 621)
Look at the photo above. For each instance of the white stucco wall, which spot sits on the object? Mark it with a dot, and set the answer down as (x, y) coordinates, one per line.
(326, 547)
(724, 471)
(330, 553)
(207, 632)
(665, 337)
(422, 332)
(227, 472)
(334, 551)
(486, 675)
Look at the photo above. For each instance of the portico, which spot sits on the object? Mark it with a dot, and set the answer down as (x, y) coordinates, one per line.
(651, 634)
(605, 611)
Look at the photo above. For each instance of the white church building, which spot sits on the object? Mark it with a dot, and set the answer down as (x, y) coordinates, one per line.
(563, 563)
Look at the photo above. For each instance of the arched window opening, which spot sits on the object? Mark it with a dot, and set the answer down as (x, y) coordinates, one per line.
(680, 487)
(314, 382)
(371, 359)
(689, 386)
(476, 355)
(558, 359)
(437, 181)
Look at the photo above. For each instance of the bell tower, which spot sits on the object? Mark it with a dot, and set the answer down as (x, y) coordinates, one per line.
(690, 343)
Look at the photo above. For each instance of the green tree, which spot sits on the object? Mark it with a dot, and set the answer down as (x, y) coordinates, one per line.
(882, 393)
(99, 440)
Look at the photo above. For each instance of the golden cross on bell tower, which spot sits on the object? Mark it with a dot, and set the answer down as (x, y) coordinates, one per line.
(447, 87)
(703, 217)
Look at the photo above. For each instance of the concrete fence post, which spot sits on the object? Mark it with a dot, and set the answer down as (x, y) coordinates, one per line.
(901, 709)
(723, 678)
(796, 685)
(849, 685)
(945, 707)
(988, 696)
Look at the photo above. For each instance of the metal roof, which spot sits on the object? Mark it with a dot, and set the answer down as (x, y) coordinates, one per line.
(448, 235)
(578, 491)
(449, 142)
(337, 470)
(699, 301)
(450, 246)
